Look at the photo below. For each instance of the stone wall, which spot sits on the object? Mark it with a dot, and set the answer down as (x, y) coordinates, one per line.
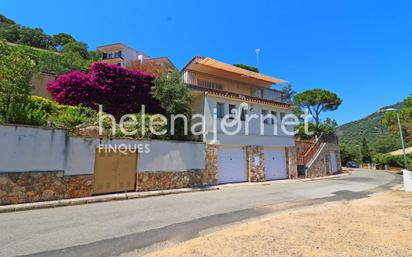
(210, 173)
(292, 162)
(322, 166)
(23, 187)
(147, 181)
(256, 172)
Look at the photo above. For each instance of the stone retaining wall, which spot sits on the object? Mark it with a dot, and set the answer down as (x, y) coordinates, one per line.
(210, 173)
(292, 162)
(322, 166)
(23, 187)
(149, 181)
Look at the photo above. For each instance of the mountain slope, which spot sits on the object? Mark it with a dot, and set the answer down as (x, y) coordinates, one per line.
(370, 127)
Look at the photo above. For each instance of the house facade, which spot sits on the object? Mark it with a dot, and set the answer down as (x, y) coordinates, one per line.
(127, 57)
(257, 149)
(120, 54)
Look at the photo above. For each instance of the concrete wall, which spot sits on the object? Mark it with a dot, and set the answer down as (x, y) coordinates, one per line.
(37, 149)
(31, 149)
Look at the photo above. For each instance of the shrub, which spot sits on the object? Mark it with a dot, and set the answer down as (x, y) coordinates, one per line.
(380, 159)
(174, 98)
(45, 105)
(69, 117)
(120, 91)
(247, 67)
(142, 128)
(23, 113)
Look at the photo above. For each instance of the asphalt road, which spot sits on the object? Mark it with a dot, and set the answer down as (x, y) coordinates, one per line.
(113, 228)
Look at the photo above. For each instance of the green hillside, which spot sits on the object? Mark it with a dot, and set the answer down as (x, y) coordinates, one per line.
(372, 129)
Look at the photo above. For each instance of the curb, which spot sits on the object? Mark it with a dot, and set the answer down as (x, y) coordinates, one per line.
(136, 195)
(98, 199)
(325, 177)
(280, 181)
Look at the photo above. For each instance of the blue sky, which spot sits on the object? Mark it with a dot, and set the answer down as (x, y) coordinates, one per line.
(361, 50)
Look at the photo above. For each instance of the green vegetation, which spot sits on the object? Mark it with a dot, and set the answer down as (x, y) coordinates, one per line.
(365, 151)
(287, 94)
(391, 123)
(23, 113)
(39, 111)
(173, 96)
(391, 160)
(380, 132)
(350, 153)
(56, 54)
(15, 73)
(317, 101)
(373, 130)
(55, 63)
(247, 67)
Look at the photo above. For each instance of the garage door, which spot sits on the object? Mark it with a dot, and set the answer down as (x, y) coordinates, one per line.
(231, 165)
(275, 164)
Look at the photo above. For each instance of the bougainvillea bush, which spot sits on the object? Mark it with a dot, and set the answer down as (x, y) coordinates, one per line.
(119, 90)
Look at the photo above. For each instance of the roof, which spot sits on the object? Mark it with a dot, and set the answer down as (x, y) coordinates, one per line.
(108, 45)
(161, 59)
(400, 151)
(212, 63)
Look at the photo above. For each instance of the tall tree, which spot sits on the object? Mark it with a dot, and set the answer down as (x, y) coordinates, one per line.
(366, 153)
(60, 39)
(35, 37)
(174, 98)
(317, 101)
(287, 94)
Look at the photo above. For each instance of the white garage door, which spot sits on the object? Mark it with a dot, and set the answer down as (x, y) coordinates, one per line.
(231, 165)
(333, 162)
(275, 164)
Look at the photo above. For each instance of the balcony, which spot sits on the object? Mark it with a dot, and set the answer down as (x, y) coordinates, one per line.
(225, 87)
(109, 56)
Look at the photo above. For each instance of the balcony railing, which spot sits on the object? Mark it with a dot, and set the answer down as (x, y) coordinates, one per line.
(108, 56)
(270, 94)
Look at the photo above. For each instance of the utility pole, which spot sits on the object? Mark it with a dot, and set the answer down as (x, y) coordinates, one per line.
(400, 133)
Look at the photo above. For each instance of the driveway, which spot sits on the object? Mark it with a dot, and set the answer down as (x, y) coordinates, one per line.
(112, 228)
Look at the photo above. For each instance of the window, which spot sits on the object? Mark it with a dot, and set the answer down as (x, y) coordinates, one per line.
(112, 55)
(232, 109)
(273, 119)
(256, 92)
(220, 110)
(264, 113)
(209, 84)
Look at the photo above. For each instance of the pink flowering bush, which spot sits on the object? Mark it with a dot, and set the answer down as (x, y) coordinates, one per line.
(119, 90)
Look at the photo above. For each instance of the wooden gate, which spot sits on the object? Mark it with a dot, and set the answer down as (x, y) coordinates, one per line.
(114, 171)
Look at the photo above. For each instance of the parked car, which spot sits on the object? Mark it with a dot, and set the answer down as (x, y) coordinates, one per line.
(352, 164)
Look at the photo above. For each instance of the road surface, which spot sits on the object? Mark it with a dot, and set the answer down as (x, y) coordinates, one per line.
(113, 228)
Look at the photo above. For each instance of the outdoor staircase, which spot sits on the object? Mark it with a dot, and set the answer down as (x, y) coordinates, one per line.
(306, 160)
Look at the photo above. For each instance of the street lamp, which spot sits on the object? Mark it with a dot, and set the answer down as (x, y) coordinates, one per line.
(400, 132)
